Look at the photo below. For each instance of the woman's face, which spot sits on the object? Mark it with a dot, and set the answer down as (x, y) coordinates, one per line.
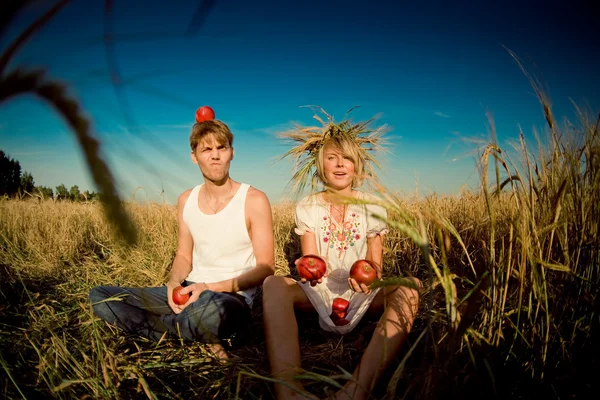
(338, 169)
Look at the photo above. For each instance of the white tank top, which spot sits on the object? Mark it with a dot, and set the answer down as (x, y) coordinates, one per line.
(222, 246)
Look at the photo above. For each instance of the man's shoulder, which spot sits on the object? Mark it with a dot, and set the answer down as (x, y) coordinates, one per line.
(256, 196)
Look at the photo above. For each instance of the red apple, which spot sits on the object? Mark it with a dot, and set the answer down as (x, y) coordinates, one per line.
(311, 267)
(179, 298)
(204, 113)
(339, 308)
(363, 271)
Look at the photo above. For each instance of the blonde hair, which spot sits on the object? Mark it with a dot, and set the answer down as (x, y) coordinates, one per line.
(349, 148)
(219, 129)
(358, 141)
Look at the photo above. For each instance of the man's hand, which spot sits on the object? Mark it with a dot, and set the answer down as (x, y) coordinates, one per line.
(171, 285)
(313, 282)
(195, 290)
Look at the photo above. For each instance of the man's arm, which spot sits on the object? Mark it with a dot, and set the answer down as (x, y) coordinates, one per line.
(182, 264)
(260, 228)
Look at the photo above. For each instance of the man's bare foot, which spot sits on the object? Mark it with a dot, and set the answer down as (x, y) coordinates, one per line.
(218, 352)
(307, 397)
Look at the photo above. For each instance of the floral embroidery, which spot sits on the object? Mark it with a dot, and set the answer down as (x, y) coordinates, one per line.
(341, 236)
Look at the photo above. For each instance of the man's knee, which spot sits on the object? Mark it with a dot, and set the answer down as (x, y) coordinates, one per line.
(213, 315)
(98, 299)
(97, 294)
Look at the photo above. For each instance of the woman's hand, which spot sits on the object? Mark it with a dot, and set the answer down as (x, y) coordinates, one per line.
(358, 287)
(313, 282)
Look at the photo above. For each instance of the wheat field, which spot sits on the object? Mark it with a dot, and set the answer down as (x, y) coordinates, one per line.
(509, 309)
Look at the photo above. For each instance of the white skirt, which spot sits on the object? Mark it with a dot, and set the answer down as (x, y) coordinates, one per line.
(336, 285)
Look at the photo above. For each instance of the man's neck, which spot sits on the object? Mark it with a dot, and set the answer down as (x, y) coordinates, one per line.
(218, 189)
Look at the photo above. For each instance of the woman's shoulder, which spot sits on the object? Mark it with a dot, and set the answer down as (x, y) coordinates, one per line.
(311, 200)
(368, 197)
(372, 202)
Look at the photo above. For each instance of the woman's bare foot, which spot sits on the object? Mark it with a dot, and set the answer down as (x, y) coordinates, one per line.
(351, 391)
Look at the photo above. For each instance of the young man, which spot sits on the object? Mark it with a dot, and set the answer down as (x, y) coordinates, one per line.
(225, 250)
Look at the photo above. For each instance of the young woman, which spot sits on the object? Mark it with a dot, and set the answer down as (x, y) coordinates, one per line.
(341, 231)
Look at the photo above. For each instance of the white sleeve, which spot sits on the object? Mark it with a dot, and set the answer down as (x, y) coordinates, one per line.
(305, 218)
(375, 224)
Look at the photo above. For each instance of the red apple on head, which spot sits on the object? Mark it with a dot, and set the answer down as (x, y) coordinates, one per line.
(311, 267)
(204, 113)
(179, 298)
(363, 271)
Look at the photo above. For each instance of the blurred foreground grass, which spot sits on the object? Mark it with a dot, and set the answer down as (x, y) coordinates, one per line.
(510, 306)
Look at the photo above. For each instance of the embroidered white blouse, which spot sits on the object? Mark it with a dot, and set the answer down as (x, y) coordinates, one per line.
(340, 244)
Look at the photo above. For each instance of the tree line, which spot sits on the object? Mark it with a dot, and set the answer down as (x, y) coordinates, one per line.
(17, 183)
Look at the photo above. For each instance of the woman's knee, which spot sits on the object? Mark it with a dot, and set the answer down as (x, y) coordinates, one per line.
(276, 288)
(407, 295)
(418, 285)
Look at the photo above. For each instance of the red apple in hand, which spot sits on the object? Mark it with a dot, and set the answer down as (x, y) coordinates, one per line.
(179, 298)
(311, 267)
(363, 271)
(204, 113)
(339, 310)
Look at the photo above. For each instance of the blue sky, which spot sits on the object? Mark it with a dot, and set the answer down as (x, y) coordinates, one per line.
(431, 69)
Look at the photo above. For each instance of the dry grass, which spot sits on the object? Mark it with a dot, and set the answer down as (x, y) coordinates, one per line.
(510, 306)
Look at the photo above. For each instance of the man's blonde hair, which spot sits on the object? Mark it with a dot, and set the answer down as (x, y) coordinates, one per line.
(219, 129)
(349, 148)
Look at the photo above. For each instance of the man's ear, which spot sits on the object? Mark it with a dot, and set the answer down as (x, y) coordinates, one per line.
(193, 155)
(232, 153)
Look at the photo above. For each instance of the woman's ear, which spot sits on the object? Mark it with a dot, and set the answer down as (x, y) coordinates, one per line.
(232, 153)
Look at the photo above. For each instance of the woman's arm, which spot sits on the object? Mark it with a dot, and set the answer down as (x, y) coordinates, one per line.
(308, 244)
(375, 254)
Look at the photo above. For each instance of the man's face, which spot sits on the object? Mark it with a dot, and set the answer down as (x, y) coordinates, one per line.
(213, 158)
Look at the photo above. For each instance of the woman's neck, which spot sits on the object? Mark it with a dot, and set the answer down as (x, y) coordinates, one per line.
(336, 197)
